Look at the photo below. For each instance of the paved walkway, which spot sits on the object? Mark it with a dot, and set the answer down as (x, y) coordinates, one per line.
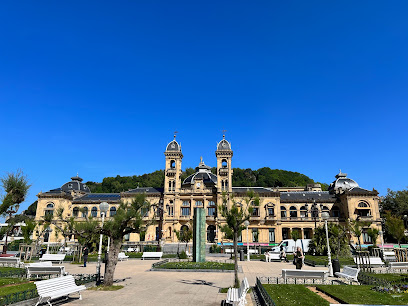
(144, 287)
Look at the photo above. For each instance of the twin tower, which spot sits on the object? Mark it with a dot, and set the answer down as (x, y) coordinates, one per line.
(222, 181)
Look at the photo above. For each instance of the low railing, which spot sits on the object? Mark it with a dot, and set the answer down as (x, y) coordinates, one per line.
(264, 297)
(18, 297)
(297, 281)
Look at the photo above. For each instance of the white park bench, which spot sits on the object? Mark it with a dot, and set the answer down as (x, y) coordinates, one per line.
(312, 274)
(389, 256)
(10, 261)
(269, 256)
(237, 296)
(157, 255)
(372, 261)
(59, 258)
(44, 268)
(349, 273)
(122, 256)
(54, 288)
(398, 265)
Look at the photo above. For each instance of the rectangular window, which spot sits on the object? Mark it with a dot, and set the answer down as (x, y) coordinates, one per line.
(185, 211)
(255, 212)
(240, 237)
(271, 212)
(255, 235)
(170, 210)
(144, 212)
(283, 213)
(211, 211)
(366, 238)
(271, 235)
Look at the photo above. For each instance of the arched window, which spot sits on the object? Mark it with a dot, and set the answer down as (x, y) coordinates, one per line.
(75, 211)
(363, 209)
(293, 212)
(94, 212)
(185, 209)
(170, 232)
(84, 212)
(184, 228)
(211, 233)
(112, 211)
(199, 203)
(172, 164)
(325, 209)
(224, 163)
(303, 212)
(49, 210)
(283, 212)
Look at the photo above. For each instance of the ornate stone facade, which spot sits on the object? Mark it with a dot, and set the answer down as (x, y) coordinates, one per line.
(280, 211)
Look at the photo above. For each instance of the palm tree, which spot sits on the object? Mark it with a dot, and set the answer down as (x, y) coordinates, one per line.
(16, 187)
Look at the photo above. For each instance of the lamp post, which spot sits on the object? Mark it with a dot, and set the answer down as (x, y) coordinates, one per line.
(246, 223)
(160, 233)
(382, 241)
(103, 207)
(315, 212)
(325, 216)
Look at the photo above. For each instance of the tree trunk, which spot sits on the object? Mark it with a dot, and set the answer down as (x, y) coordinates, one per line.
(112, 261)
(236, 281)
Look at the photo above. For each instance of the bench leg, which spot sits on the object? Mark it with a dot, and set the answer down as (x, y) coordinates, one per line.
(39, 301)
(49, 303)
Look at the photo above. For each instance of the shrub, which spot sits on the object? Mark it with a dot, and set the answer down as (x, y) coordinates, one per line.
(183, 255)
(215, 248)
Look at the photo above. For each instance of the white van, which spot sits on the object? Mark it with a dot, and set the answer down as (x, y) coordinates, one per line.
(289, 245)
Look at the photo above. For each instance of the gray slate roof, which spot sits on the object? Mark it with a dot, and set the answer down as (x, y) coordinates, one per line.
(98, 197)
(145, 190)
(307, 196)
(254, 189)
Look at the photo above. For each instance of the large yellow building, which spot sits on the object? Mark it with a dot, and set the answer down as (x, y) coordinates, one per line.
(280, 211)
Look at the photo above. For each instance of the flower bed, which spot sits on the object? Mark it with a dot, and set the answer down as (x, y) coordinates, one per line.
(188, 265)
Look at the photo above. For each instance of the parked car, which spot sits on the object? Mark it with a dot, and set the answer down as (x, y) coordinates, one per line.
(289, 245)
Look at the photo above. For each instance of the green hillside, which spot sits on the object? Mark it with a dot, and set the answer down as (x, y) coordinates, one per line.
(263, 177)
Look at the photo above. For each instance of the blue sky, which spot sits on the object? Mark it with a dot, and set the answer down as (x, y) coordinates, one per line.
(98, 87)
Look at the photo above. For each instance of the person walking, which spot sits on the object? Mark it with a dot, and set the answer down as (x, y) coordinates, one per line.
(85, 252)
(299, 258)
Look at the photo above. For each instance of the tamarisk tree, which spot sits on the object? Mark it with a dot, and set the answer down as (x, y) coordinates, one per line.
(235, 214)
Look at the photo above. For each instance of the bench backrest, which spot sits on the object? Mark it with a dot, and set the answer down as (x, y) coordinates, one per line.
(9, 259)
(152, 254)
(53, 257)
(308, 273)
(398, 264)
(40, 264)
(45, 287)
(371, 260)
(243, 289)
(352, 272)
(122, 254)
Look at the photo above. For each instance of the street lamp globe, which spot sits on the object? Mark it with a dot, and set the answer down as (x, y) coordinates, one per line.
(246, 223)
(325, 215)
(104, 207)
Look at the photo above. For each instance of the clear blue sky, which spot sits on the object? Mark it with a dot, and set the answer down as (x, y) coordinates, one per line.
(98, 87)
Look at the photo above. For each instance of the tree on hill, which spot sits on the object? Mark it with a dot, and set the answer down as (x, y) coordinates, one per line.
(395, 202)
(263, 177)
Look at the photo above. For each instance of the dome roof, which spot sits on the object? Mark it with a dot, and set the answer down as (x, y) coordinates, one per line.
(173, 145)
(224, 145)
(342, 183)
(203, 172)
(76, 185)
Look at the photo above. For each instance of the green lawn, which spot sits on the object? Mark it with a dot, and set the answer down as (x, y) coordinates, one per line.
(323, 260)
(289, 295)
(394, 277)
(197, 265)
(364, 295)
(10, 269)
(17, 288)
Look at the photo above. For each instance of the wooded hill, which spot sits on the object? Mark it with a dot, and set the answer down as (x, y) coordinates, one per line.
(263, 177)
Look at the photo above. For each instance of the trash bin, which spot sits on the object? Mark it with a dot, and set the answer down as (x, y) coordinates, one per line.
(241, 255)
(336, 265)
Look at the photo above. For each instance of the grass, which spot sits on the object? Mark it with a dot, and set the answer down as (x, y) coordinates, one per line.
(322, 260)
(364, 295)
(395, 277)
(225, 290)
(12, 281)
(17, 288)
(10, 269)
(106, 288)
(289, 295)
(188, 265)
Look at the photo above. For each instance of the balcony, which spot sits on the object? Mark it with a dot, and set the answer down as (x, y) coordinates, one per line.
(223, 171)
(171, 172)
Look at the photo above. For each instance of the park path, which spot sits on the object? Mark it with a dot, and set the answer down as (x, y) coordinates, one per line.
(144, 287)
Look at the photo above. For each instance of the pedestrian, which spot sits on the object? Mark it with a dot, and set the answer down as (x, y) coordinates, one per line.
(283, 254)
(299, 258)
(85, 252)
